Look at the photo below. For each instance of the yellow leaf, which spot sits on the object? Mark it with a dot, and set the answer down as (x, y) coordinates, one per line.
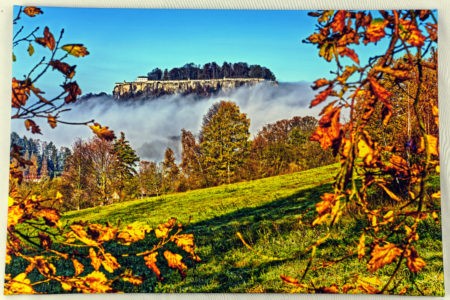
(433, 147)
(8, 259)
(97, 282)
(82, 235)
(129, 277)
(362, 246)
(150, 262)
(65, 286)
(102, 132)
(110, 263)
(382, 256)
(77, 50)
(102, 233)
(20, 285)
(414, 262)
(132, 233)
(79, 267)
(51, 120)
(15, 214)
(30, 49)
(186, 242)
(10, 201)
(95, 260)
(174, 262)
(50, 215)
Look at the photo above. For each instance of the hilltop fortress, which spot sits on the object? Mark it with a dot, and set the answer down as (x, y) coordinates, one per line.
(143, 88)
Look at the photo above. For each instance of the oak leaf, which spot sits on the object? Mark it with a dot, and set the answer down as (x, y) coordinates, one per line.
(383, 255)
(322, 96)
(15, 214)
(32, 11)
(129, 277)
(414, 262)
(103, 132)
(96, 262)
(73, 91)
(97, 283)
(350, 53)
(102, 233)
(433, 146)
(320, 83)
(375, 31)
(51, 216)
(77, 50)
(30, 124)
(186, 242)
(51, 120)
(66, 69)
(132, 233)
(20, 285)
(410, 33)
(174, 262)
(48, 40)
(109, 262)
(338, 23)
(20, 92)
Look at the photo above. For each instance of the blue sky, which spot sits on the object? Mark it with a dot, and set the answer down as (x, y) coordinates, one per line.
(125, 43)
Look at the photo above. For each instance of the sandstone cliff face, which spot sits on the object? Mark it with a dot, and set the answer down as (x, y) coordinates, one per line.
(155, 88)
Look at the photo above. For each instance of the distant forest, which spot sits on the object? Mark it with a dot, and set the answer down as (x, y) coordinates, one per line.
(212, 71)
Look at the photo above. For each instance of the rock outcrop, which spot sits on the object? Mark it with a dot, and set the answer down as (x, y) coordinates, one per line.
(150, 89)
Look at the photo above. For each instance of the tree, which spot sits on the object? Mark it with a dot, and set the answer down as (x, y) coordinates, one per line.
(191, 165)
(150, 178)
(37, 254)
(127, 160)
(170, 171)
(224, 141)
(388, 226)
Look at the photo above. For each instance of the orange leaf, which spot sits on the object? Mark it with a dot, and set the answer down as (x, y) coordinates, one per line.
(132, 233)
(186, 242)
(432, 31)
(51, 120)
(73, 91)
(66, 69)
(414, 262)
(321, 97)
(150, 262)
(382, 256)
(103, 132)
(81, 235)
(31, 124)
(20, 92)
(48, 40)
(32, 11)
(129, 277)
(320, 83)
(174, 262)
(51, 216)
(293, 281)
(375, 31)
(338, 23)
(410, 33)
(15, 214)
(102, 233)
(379, 91)
(345, 51)
(77, 50)
(79, 267)
(332, 289)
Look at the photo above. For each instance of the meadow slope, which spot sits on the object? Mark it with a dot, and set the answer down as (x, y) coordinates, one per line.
(273, 215)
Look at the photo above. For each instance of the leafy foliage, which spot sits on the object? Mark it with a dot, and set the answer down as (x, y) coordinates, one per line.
(375, 96)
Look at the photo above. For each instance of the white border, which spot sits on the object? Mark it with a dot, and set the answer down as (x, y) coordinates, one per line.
(444, 93)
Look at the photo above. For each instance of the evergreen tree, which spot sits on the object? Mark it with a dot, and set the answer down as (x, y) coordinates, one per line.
(170, 171)
(224, 141)
(127, 160)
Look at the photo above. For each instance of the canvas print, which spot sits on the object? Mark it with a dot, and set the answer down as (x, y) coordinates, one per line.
(224, 151)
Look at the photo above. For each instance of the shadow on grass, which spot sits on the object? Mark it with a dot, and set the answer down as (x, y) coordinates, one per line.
(218, 234)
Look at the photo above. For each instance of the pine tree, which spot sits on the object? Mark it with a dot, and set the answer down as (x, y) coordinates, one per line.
(170, 171)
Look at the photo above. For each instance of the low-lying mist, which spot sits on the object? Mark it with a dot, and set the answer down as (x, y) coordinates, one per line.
(153, 125)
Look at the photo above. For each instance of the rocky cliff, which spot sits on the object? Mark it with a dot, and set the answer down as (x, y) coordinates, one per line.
(150, 89)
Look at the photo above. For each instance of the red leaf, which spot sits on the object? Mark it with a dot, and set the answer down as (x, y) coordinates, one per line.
(321, 97)
(48, 40)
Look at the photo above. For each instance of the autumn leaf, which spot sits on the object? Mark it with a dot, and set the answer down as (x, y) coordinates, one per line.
(103, 132)
(328, 133)
(77, 50)
(327, 51)
(322, 96)
(332, 289)
(384, 255)
(129, 277)
(50, 215)
(433, 146)
(362, 246)
(390, 193)
(66, 69)
(20, 285)
(397, 73)
(102, 233)
(32, 11)
(20, 92)
(338, 23)
(379, 91)
(48, 40)
(293, 281)
(186, 242)
(73, 91)
(97, 282)
(110, 263)
(375, 31)
(320, 83)
(349, 70)
(51, 120)
(79, 233)
(150, 262)
(132, 233)
(44, 267)
(96, 262)
(432, 31)
(174, 262)
(369, 285)
(350, 53)
(162, 231)
(30, 49)
(414, 262)
(78, 267)
(410, 33)
(45, 240)
(15, 214)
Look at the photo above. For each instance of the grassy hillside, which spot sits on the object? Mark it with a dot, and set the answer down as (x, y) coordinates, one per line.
(273, 215)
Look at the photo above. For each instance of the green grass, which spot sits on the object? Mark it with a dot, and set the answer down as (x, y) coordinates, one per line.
(273, 215)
